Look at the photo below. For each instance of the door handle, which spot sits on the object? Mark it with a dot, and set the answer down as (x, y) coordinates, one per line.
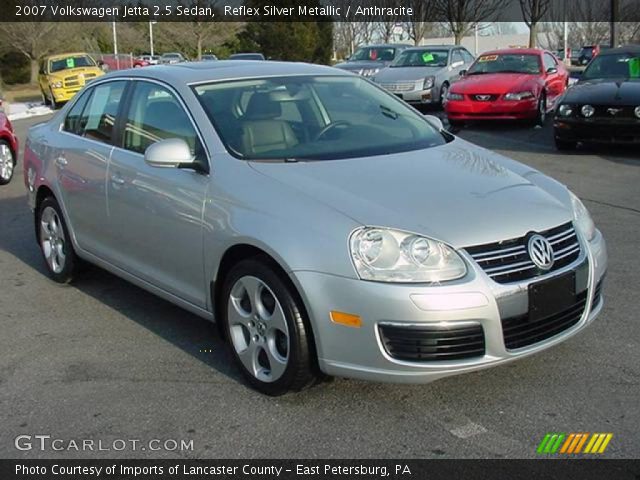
(61, 161)
(117, 179)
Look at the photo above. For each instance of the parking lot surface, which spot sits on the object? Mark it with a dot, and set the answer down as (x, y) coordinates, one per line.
(104, 360)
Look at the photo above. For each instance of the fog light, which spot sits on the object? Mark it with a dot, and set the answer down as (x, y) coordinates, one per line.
(565, 110)
(588, 110)
(346, 319)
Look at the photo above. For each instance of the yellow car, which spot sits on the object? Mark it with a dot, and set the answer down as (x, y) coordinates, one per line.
(62, 76)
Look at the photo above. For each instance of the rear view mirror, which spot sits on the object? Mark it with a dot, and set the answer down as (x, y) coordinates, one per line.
(169, 153)
(552, 70)
(435, 122)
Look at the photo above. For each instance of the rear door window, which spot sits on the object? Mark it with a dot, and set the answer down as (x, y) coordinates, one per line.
(99, 116)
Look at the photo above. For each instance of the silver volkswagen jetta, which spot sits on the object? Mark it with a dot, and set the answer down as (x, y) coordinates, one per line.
(328, 227)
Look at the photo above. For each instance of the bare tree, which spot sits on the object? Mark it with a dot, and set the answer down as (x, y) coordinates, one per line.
(33, 40)
(420, 24)
(533, 11)
(386, 26)
(460, 15)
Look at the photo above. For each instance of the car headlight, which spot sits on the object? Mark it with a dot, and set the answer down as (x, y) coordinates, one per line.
(636, 111)
(386, 255)
(428, 83)
(455, 96)
(588, 110)
(56, 85)
(565, 110)
(519, 95)
(583, 219)
(369, 72)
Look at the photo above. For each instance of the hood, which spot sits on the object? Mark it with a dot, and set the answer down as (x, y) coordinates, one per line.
(492, 83)
(396, 74)
(605, 92)
(457, 193)
(351, 66)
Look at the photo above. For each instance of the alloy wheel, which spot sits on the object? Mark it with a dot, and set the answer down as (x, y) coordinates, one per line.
(6, 163)
(52, 239)
(258, 329)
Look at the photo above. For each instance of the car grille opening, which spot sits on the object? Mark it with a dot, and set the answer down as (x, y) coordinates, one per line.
(399, 87)
(597, 294)
(519, 332)
(509, 261)
(431, 343)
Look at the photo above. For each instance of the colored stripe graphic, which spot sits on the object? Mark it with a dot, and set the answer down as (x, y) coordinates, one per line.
(572, 443)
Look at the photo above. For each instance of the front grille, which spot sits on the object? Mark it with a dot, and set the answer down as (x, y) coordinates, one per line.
(429, 343)
(520, 332)
(602, 111)
(77, 80)
(399, 87)
(509, 261)
(484, 98)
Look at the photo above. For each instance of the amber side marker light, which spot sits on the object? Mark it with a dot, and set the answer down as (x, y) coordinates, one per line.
(346, 319)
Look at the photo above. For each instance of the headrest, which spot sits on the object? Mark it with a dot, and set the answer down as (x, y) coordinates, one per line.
(262, 107)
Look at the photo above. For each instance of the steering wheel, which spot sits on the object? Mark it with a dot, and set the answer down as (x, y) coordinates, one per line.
(329, 127)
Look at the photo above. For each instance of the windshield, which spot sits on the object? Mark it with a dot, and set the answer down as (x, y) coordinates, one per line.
(622, 65)
(313, 118)
(506, 63)
(376, 54)
(586, 52)
(422, 58)
(75, 61)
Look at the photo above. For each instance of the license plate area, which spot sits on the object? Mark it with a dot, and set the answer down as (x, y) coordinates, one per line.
(551, 296)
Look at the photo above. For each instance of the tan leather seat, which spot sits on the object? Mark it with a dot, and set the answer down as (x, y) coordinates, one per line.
(262, 132)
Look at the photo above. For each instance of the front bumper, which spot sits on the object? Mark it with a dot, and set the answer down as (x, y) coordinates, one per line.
(468, 110)
(618, 131)
(475, 300)
(64, 94)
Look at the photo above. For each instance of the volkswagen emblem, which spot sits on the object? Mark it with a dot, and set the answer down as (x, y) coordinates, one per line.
(614, 111)
(541, 252)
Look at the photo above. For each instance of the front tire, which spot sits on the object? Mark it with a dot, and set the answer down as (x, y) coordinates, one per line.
(55, 242)
(267, 329)
(7, 163)
(54, 105)
(444, 92)
(541, 114)
(564, 145)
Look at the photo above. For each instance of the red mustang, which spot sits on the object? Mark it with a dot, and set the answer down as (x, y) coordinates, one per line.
(509, 84)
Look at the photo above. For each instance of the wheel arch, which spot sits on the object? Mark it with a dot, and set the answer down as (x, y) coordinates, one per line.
(243, 251)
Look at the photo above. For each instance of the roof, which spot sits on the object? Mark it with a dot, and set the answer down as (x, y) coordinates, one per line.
(385, 45)
(65, 55)
(523, 51)
(440, 47)
(197, 72)
(632, 49)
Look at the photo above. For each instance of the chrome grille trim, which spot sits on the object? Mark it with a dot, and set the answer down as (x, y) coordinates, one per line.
(508, 261)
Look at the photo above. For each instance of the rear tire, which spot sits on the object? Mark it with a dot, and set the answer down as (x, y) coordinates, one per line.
(7, 163)
(55, 242)
(267, 329)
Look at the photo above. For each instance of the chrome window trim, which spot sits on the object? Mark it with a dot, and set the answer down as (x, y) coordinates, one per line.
(97, 83)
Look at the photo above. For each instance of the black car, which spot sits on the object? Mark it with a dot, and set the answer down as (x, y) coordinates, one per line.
(604, 106)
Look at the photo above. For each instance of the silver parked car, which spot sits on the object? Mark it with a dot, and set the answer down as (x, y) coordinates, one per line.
(370, 59)
(171, 58)
(423, 75)
(325, 225)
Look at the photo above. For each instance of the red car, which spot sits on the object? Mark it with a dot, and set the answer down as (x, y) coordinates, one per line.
(510, 84)
(8, 149)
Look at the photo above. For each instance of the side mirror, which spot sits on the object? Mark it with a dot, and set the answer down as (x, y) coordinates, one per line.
(463, 72)
(169, 153)
(435, 122)
(552, 70)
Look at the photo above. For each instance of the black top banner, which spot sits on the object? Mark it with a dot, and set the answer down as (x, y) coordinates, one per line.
(321, 469)
(320, 10)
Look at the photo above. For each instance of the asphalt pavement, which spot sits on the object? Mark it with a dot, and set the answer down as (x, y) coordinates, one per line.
(104, 360)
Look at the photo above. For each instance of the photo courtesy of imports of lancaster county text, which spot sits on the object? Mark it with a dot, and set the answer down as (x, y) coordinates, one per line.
(319, 10)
